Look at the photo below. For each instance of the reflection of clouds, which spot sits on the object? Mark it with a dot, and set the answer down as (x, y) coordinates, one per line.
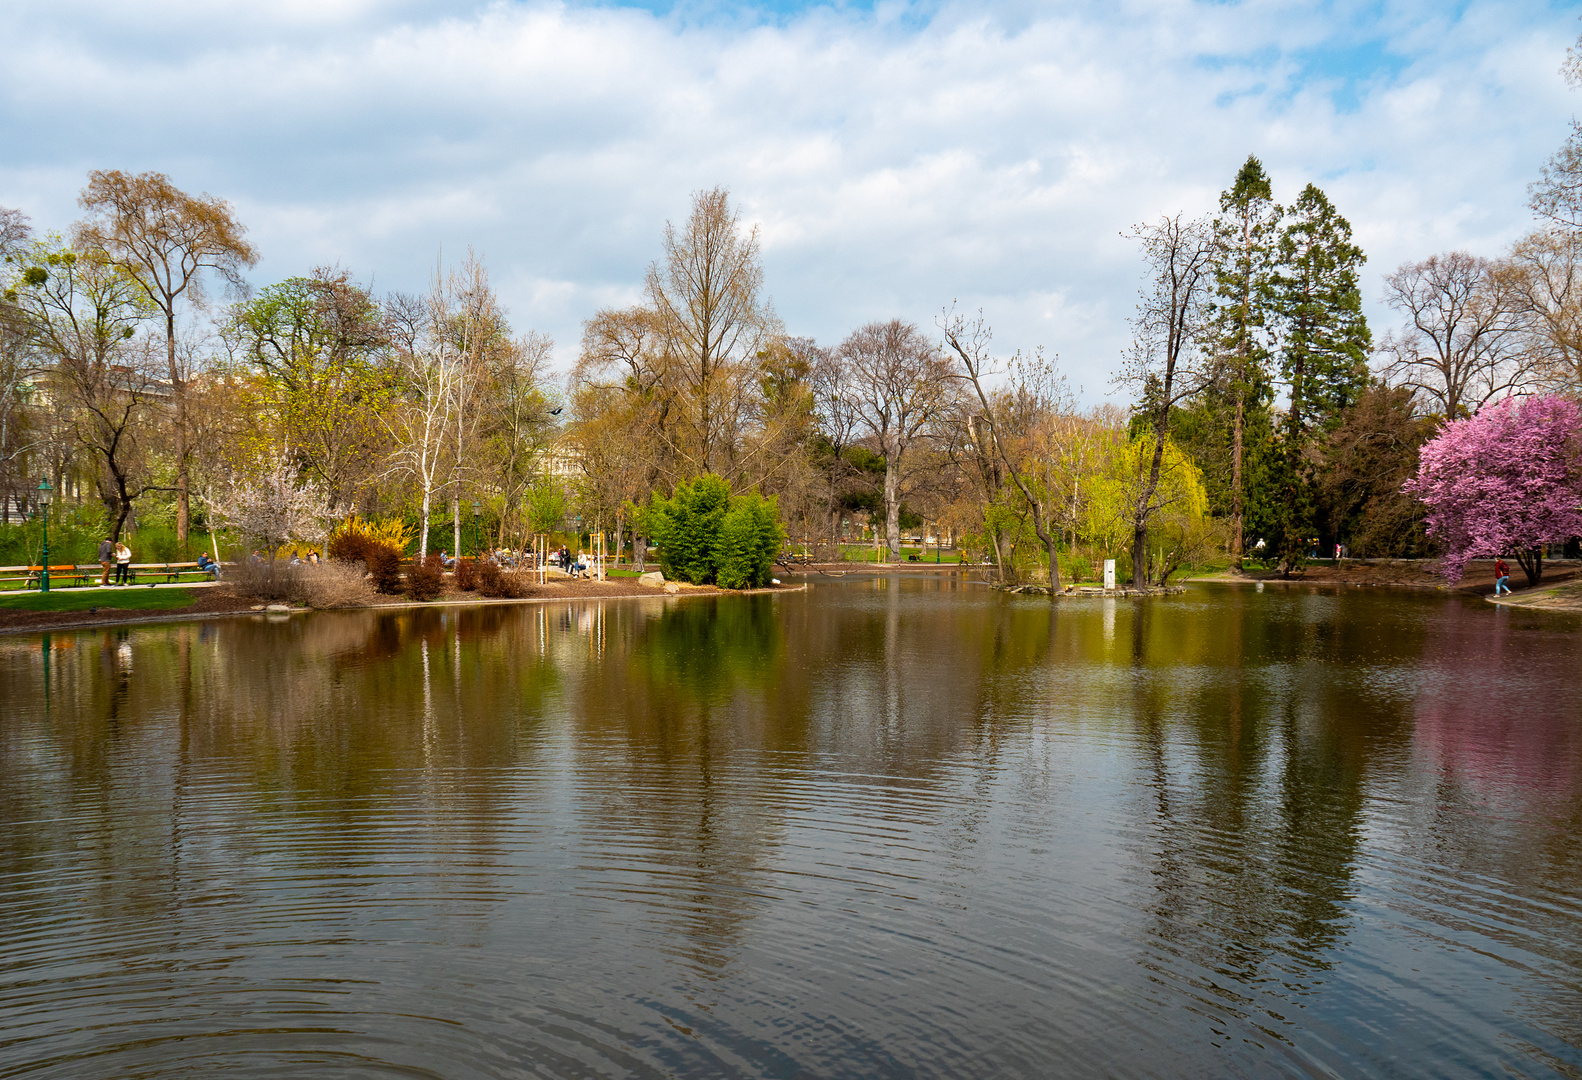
(807, 829)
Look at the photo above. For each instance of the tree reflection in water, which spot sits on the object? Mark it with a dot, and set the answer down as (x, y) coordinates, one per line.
(1294, 830)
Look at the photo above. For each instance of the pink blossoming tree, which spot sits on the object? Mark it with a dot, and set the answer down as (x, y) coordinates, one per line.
(1503, 482)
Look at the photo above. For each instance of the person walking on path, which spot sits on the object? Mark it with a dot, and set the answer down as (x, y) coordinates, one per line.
(1502, 577)
(106, 558)
(123, 564)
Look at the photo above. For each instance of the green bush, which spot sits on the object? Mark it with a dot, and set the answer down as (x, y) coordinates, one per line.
(687, 528)
(74, 535)
(707, 536)
(750, 538)
(158, 543)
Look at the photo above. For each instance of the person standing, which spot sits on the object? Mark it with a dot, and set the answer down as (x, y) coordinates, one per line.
(106, 558)
(1502, 577)
(123, 564)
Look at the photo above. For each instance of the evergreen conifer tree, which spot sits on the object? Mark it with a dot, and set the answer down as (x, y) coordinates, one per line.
(1324, 337)
(1248, 233)
(1324, 343)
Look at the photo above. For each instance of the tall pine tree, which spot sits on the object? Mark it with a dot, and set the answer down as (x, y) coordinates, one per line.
(1324, 337)
(1248, 234)
(1324, 343)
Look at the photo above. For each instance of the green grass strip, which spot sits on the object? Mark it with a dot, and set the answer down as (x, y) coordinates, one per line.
(123, 597)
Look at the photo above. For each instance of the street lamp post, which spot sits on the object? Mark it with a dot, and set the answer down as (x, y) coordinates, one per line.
(44, 492)
(475, 509)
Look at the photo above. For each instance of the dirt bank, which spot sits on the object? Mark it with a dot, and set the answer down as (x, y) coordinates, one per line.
(1558, 596)
(1407, 573)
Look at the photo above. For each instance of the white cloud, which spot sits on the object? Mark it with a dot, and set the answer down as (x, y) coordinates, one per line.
(895, 160)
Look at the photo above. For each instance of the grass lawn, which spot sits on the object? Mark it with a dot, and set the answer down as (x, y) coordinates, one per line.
(1213, 566)
(853, 553)
(126, 597)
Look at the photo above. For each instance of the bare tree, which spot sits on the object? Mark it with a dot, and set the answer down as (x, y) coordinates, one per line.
(901, 385)
(14, 233)
(622, 386)
(839, 419)
(1165, 365)
(1544, 273)
(706, 297)
(84, 314)
(1556, 196)
(1040, 394)
(773, 451)
(117, 410)
(420, 425)
(18, 360)
(468, 332)
(519, 421)
(165, 239)
(1462, 344)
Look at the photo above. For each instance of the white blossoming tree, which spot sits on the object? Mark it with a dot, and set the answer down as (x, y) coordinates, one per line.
(273, 510)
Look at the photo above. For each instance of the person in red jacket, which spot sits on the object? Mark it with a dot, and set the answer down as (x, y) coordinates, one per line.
(1502, 577)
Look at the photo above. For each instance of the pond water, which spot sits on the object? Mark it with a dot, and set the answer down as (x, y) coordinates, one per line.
(894, 827)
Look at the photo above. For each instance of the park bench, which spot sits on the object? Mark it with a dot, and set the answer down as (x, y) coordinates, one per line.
(170, 571)
(65, 575)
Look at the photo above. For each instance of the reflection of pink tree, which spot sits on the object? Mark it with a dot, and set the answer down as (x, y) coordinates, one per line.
(1490, 710)
(1503, 482)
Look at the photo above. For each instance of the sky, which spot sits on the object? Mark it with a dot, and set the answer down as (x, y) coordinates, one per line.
(896, 157)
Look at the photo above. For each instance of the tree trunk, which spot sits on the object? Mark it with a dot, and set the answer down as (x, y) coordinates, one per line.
(1143, 508)
(1235, 483)
(455, 519)
(999, 556)
(123, 508)
(422, 528)
(178, 389)
(892, 506)
(1532, 564)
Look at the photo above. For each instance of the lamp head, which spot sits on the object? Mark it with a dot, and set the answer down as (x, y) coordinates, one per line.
(45, 491)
